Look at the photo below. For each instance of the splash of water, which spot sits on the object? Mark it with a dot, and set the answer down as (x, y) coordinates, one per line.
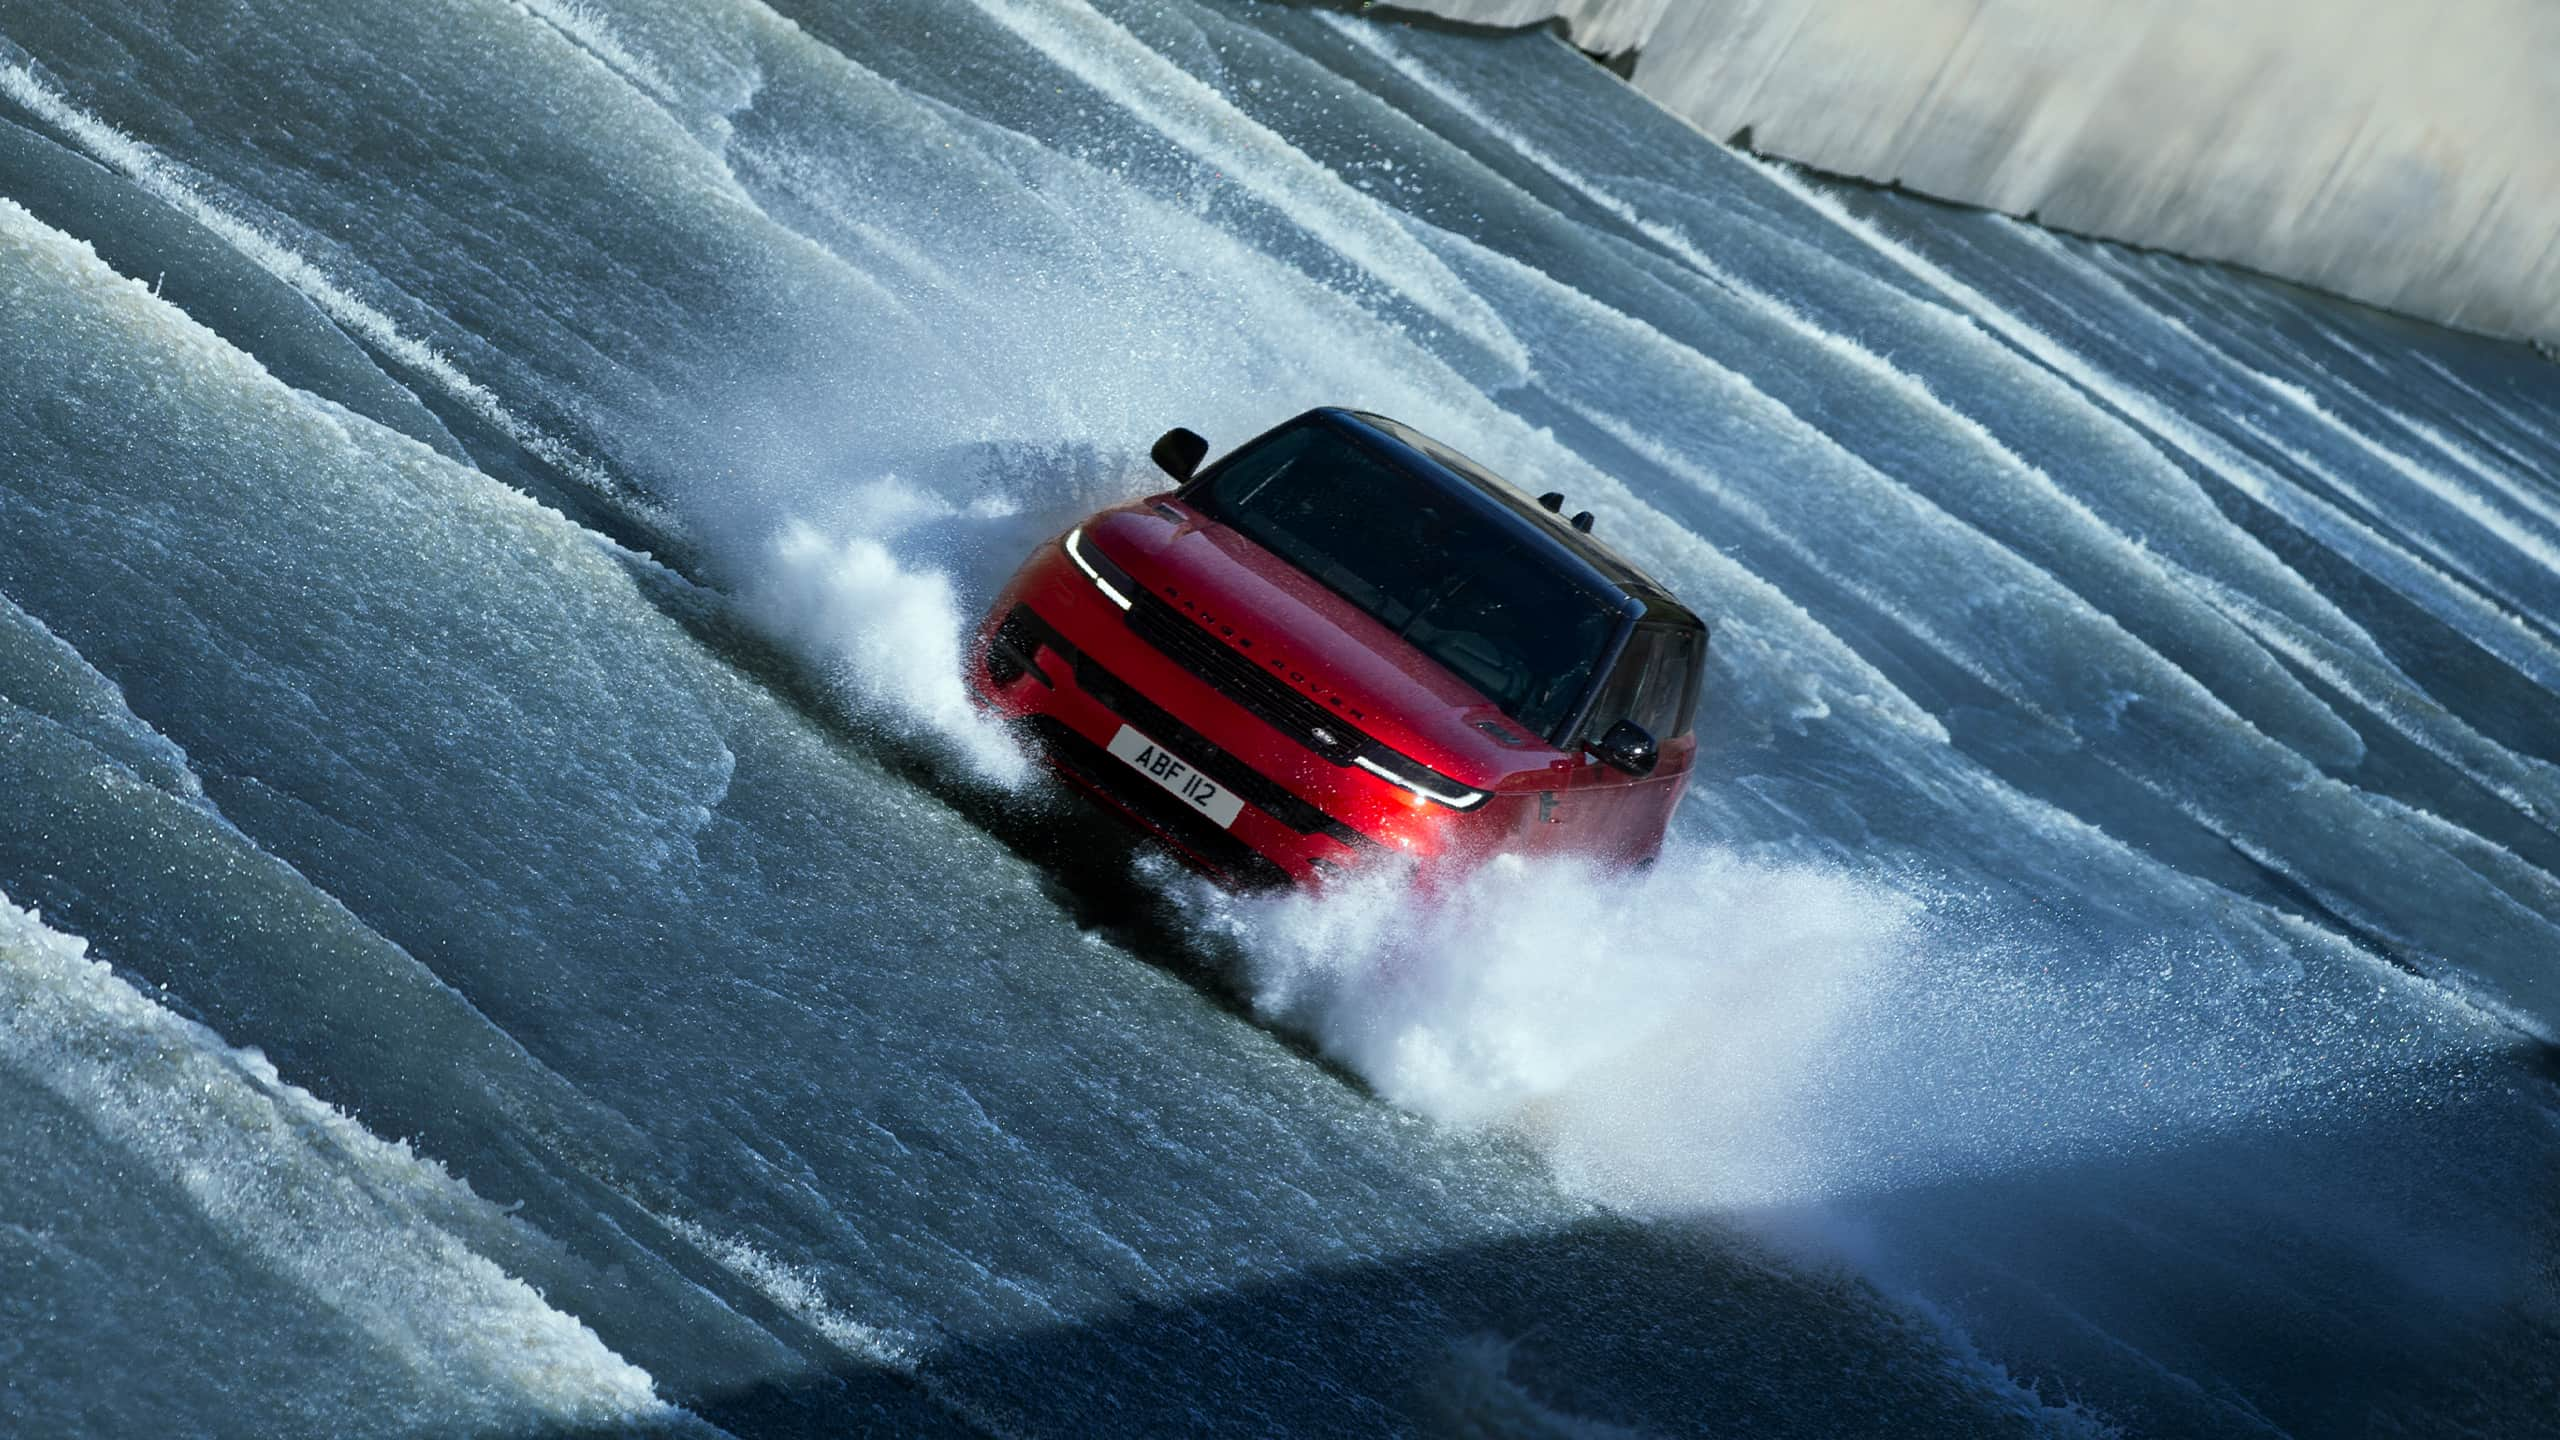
(886, 636)
(877, 598)
(1749, 1036)
(1607, 1016)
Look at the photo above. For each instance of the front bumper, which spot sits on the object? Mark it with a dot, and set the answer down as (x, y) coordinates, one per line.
(1060, 659)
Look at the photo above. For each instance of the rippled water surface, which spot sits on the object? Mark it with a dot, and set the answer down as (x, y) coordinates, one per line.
(512, 927)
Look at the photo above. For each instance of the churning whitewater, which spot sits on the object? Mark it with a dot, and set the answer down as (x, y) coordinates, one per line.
(513, 924)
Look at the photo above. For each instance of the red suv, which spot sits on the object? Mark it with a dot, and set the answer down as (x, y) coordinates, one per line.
(1346, 638)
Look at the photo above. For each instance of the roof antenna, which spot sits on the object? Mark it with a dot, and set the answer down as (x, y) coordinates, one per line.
(1582, 521)
(1553, 500)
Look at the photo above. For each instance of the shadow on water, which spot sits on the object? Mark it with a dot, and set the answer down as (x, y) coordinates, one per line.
(2180, 1292)
(1669, 1329)
(2388, 1272)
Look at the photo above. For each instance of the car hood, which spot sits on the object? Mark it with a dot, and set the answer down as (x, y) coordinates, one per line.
(1329, 649)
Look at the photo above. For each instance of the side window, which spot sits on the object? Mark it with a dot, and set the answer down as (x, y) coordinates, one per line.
(1623, 694)
(1652, 684)
(1671, 691)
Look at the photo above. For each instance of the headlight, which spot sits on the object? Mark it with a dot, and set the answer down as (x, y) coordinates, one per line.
(1422, 780)
(1108, 578)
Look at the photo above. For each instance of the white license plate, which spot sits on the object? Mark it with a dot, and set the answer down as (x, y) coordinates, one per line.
(1188, 785)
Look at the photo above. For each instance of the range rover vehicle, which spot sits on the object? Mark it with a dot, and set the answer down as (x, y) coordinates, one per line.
(1343, 640)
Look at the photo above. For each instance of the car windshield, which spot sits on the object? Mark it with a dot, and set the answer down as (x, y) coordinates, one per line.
(1425, 558)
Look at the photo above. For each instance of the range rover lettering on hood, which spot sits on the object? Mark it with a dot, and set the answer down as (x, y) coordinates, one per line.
(1278, 665)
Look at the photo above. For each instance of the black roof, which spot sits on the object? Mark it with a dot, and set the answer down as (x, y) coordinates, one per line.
(1413, 451)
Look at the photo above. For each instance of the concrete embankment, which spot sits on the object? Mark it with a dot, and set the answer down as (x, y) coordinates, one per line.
(2404, 154)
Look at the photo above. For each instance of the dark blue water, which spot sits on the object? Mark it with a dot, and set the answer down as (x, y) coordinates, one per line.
(489, 496)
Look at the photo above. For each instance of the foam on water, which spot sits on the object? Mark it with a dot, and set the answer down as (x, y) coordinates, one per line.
(591, 32)
(2541, 506)
(796, 1290)
(2491, 521)
(2479, 618)
(2529, 784)
(2475, 395)
(2419, 507)
(1100, 52)
(2444, 596)
(369, 1230)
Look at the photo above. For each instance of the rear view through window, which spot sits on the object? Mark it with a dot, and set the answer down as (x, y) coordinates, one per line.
(1425, 561)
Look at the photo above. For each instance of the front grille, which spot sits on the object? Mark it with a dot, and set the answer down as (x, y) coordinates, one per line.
(1027, 633)
(1266, 696)
(1240, 864)
(1158, 724)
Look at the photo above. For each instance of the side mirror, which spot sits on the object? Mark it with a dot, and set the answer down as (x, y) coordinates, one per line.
(1180, 452)
(1626, 746)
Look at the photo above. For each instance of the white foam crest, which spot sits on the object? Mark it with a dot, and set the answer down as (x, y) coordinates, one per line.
(2156, 502)
(813, 184)
(1960, 655)
(799, 1291)
(2529, 784)
(2070, 524)
(2525, 882)
(2485, 622)
(169, 182)
(2498, 524)
(2493, 628)
(2502, 525)
(887, 636)
(2058, 357)
(579, 23)
(2487, 402)
(2474, 998)
(1192, 114)
(2541, 506)
(2333, 336)
(1370, 37)
(2113, 272)
(360, 1224)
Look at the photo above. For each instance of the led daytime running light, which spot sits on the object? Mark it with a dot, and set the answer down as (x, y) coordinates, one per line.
(1463, 800)
(1075, 552)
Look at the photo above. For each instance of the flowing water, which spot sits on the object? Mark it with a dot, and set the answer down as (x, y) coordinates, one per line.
(512, 926)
